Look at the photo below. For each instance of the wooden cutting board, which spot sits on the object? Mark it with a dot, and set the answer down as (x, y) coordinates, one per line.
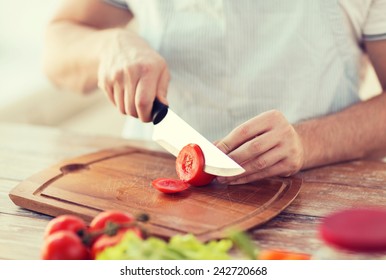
(120, 178)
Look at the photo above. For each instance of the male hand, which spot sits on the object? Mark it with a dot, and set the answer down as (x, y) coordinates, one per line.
(132, 75)
(264, 146)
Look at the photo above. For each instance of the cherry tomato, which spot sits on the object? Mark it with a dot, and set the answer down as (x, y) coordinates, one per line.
(100, 224)
(64, 245)
(106, 241)
(118, 217)
(168, 185)
(190, 166)
(65, 222)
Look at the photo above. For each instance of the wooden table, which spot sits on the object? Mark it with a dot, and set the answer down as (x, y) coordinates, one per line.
(26, 150)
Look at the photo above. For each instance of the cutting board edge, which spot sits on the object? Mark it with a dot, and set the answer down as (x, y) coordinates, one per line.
(249, 223)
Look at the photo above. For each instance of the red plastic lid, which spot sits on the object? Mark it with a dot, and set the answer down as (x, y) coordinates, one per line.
(361, 229)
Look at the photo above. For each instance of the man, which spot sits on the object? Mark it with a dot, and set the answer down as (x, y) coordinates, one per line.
(274, 83)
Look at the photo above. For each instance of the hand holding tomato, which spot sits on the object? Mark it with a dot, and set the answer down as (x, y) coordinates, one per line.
(266, 146)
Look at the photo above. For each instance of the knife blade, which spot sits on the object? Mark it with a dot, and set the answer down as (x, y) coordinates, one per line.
(173, 133)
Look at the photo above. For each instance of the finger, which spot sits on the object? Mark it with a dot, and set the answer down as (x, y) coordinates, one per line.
(255, 147)
(146, 92)
(119, 97)
(105, 85)
(275, 170)
(258, 164)
(246, 132)
(117, 90)
(265, 160)
(107, 88)
(130, 85)
(163, 85)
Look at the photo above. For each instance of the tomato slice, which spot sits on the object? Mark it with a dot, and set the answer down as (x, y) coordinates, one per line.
(169, 185)
(190, 164)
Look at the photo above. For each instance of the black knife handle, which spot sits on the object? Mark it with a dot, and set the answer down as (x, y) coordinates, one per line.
(158, 111)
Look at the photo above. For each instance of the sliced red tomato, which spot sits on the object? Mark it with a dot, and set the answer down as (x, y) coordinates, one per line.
(169, 185)
(190, 165)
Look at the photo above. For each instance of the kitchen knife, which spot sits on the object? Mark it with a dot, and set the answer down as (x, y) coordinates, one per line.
(173, 133)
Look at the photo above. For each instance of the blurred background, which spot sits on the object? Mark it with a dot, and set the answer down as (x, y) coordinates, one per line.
(26, 96)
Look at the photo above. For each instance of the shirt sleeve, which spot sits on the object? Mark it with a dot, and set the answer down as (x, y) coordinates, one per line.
(374, 27)
(117, 3)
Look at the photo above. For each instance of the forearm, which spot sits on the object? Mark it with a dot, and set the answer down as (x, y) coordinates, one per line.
(72, 53)
(356, 132)
(78, 34)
